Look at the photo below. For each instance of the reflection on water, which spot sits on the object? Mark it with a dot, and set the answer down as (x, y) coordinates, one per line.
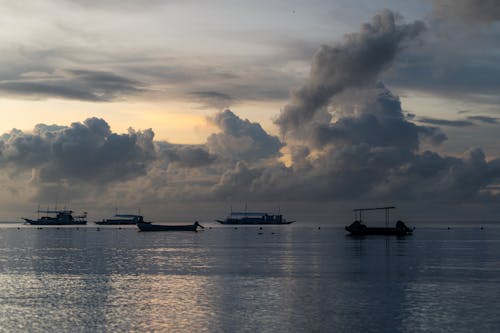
(297, 279)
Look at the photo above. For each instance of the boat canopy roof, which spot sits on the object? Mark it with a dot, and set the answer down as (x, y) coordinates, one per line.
(131, 216)
(248, 213)
(376, 208)
(55, 211)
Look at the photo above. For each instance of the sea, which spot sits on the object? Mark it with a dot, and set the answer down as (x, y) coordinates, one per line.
(295, 278)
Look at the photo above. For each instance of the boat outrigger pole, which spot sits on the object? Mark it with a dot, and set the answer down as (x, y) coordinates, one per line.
(360, 212)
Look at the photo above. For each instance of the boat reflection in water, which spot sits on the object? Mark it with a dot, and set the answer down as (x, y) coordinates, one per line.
(148, 226)
(357, 228)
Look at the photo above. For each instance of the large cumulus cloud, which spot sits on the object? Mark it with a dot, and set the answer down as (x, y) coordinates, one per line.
(241, 139)
(86, 151)
(356, 62)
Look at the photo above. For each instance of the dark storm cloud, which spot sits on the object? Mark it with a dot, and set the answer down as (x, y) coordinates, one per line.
(85, 85)
(356, 62)
(86, 151)
(376, 120)
(445, 122)
(186, 156)
(363, 173)
(470, 10)
(241, 139)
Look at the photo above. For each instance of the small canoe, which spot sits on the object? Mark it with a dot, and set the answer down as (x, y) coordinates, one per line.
(148, 226)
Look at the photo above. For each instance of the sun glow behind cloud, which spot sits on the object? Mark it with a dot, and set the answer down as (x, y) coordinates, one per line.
(175, 122)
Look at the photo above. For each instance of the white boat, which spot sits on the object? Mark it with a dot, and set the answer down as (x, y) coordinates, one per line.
(254, 218)
(119, 219)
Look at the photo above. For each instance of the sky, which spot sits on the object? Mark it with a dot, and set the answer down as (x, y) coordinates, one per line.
(186, 109)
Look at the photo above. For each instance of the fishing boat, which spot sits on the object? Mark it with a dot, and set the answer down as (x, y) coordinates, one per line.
(358, 228)
(119, 219)
(254, 218)
(148, 226)
(58, 217)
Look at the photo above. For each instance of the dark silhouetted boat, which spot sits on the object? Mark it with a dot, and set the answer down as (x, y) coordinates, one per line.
(58, 217)
(254, 218)
(119, 219)
(357, 228)
(148, 226)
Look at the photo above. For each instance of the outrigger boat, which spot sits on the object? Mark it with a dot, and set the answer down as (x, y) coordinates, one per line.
(148, 226)
(118, 219)
(254, 218)
(357, 228)
(62, 217)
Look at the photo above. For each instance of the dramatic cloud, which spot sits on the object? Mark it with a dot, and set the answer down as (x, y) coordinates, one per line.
(188, 156)
(241, 139)
(356, 62)
(84, 152)
(345, 135)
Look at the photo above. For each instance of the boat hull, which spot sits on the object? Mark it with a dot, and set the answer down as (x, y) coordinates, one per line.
(252, 222)
(115, 222)
(379, 231)
(144, 226)
(36, 222)
(359, 229)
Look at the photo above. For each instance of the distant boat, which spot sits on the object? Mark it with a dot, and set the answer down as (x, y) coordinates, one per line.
(58, 217)
(119, 219)
(254, 218)
(148, 226)
(357, 228)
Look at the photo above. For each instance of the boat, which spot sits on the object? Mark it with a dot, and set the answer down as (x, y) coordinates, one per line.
(118, 219)
(254, 218)
(358, 228)
(149, 226)
(58, 217)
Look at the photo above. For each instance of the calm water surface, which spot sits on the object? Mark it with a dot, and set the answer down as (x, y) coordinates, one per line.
(278, 279)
